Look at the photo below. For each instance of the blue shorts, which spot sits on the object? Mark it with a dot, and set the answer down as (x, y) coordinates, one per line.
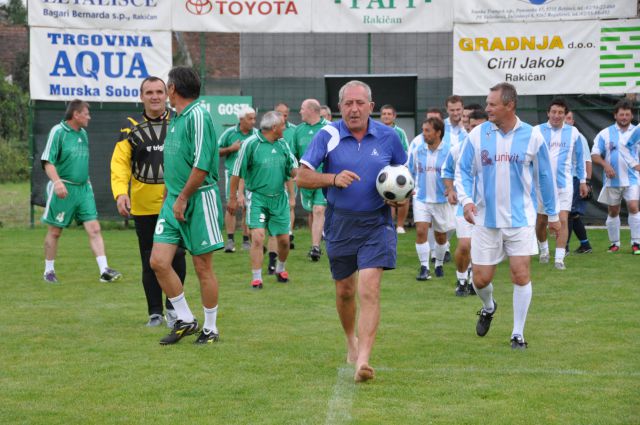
(359, 240)
(578, 205)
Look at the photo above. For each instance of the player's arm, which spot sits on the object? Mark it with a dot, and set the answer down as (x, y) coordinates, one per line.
(546, 185)
(597, 153)
(579, 155)
(238, 173)
(195, 180)
(464, 178)
(58, 185)
(121, 173)
(48, 159)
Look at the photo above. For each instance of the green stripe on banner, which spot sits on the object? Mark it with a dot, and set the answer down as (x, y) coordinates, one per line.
(612, 65)
(603, 48)
(609, 38)
(619, 74)
(616, 57)
(635, 38)
(621, 29)
(630, 47)
(613, 84)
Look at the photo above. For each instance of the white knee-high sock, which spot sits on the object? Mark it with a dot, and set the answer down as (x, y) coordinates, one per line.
(423, 253)
(486, 295)
(521, 302)
(634, 224)
(544, 247)
(440, 251)
(210, 316)
(613, 229)
(432, 242)
(560, 253)
(182, 308)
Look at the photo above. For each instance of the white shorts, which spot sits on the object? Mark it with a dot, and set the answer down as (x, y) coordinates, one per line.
(564, 201)
(463, 227)
(614, 195)
(489, 246)
(441, 216)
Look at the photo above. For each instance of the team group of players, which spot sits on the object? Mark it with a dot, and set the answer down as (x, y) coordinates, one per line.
(497, 181)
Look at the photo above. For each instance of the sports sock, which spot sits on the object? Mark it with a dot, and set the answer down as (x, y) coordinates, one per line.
(102, 263)
(486, 295)
(440, 251)
(245, 238)
(580, 230)
(48, 265)
(634, 225)
(544, 247)
(432, 242)
(560, 252)
(210, 315)
(181, 307)
(521, 301)
(256, 274)
(230, 236)
(461, 276)
(613, 229)
(272, 256)
(423, 253)
(280, 266)
(569, 228)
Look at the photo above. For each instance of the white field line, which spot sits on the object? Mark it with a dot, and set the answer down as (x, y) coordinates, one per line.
(341, 401)
(529, 371)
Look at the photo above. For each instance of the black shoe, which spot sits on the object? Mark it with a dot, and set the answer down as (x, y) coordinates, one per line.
(315, 253)
(447, 257)
(470, 288)
(433, 260)
(484, 321)
(439, 271)
(180, 330)
(207, 338)
(423, 273)
(282, 277)
(518, 343)
(584, 249)
(462, 289)
(110, 275)
(291, 244)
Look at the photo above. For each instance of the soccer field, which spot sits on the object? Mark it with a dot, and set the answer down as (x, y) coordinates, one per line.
(79, 353)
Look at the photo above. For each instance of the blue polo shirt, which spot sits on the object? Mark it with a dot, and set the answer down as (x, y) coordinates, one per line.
(336, 149)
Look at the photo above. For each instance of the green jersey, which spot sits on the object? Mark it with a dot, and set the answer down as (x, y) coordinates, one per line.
(265, 166)
(302, 137)
(68, 150)
(190, 143)
(287, 135)
(228, 138)
(403, 137)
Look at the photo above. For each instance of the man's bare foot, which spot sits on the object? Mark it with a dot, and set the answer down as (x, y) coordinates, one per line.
(352, 351)
(364, 373)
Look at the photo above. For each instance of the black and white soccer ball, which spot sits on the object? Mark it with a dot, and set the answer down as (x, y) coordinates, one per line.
(395, 183)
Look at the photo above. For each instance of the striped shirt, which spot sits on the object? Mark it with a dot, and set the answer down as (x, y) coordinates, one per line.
(449, 170)
(502, 169)
(612, 145)
(425, 166)
(564, 148)
(453, 135)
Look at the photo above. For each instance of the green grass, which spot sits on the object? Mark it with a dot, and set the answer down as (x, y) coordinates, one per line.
(78, 352)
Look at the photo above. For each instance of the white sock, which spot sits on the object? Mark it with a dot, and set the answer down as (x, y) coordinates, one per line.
(432, 242)
(521, 301)
(461, 276)
(181, 307)
(440, 251)
(210, 315)
(48, 266)
(102, 263)
(256, 274)
(544, 247)
(280, 266)
(634, 225)
(560, 252)
(423, 253)
(613, 229)
(486, 295)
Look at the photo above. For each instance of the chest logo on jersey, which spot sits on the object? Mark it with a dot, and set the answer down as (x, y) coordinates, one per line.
(274, 151)
(79, 140)
(486, 160)
(155, 148)
(374, 152)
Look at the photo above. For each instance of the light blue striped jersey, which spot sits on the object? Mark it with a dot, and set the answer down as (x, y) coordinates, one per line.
(611, 145)
(587, 156)
(564, 148)
(502, 168)
(425, 166)
(453, 135)
(449, 169)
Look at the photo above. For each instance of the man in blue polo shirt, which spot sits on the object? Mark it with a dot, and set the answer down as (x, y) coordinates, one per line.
(359, 232)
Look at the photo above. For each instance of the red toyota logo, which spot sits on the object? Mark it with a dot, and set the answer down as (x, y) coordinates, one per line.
(199, 7)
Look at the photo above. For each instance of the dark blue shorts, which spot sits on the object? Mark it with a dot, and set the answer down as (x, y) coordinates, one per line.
(359, 240)
(578, 205)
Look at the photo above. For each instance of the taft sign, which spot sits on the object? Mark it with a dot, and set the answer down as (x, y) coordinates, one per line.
(106, 66)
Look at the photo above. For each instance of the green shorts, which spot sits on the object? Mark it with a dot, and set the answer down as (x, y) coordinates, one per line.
(79, 204)
(200, 232)
(311, 197)
(269, 212)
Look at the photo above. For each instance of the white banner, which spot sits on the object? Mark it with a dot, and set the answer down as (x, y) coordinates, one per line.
(538, 58)
(382, 16)
(103, 14)
(105, 66)
(480, 11)
(242, 16)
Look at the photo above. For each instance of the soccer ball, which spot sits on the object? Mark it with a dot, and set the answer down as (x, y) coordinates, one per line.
(395, 183)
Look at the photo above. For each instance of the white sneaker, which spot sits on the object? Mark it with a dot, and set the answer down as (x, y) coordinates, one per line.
(400, 230)
(544, 258)
(559, 265)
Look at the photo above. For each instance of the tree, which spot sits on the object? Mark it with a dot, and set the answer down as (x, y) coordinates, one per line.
(17, 12)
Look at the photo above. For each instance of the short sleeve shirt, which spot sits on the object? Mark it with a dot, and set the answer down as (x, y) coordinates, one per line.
(228, 138)
(190, 143)
(68, 150)
(303, 135)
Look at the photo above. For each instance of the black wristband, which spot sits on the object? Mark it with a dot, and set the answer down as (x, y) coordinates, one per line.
(588, 181)
(334, 180)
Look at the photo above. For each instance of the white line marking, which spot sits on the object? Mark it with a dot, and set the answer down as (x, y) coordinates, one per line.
(341, 401)
(532, 371)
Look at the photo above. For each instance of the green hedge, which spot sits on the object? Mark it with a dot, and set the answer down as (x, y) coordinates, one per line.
(14, 161)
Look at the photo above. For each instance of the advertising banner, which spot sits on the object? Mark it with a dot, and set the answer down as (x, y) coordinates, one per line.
(619, 56)
(104, 66)
(224, 110)
(481, 11)
(105, 14)
(538, 58)
(382, 16)
(242, 16)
